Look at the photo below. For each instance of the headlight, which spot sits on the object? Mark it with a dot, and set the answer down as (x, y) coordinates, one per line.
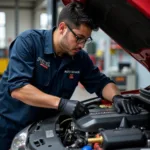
(20, 139)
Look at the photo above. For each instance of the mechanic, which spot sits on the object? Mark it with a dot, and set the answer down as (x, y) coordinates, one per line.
(44, 69)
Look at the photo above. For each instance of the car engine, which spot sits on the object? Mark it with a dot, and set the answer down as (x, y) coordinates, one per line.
(101, 129)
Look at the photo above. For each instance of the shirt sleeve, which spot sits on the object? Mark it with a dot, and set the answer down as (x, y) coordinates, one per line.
(92, 79)
(21, 63)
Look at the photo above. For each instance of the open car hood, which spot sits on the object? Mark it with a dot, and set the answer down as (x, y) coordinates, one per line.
(125, 21)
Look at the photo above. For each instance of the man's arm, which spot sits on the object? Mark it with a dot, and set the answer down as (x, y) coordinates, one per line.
(31, 95)
(109, 91)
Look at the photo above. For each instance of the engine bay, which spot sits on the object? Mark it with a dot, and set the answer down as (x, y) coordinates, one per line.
(101, 129)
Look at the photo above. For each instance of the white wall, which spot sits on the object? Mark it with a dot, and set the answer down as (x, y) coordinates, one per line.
(10, 24)
(143, 76)
(37, 19)
(103, 43)
(25, 22)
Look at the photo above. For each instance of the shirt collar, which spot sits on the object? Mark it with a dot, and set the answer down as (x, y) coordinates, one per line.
(49, 42)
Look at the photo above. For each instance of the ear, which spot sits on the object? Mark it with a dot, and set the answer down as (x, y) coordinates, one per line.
(62, 27)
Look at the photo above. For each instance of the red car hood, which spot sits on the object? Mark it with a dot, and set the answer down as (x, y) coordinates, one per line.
(125, 21)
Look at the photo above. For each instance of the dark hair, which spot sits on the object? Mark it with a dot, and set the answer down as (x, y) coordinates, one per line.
(74, 14)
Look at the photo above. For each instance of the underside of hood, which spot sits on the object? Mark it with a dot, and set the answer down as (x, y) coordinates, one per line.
(125, 21)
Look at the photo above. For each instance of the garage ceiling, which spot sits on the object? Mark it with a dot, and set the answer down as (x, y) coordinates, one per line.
(30, 4)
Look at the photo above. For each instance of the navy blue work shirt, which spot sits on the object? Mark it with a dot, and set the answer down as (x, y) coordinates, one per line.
(33, 61)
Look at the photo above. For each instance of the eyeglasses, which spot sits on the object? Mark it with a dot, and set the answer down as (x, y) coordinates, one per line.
(79, 39)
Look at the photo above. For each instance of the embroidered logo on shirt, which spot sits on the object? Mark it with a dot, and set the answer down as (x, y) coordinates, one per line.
(43, 63)
(72, 71)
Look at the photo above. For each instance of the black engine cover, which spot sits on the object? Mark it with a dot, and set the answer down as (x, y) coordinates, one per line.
(107, 118)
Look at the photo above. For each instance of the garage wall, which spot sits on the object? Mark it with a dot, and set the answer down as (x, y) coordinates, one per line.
(143, 76)
(10, 24)
(26, 21)
(37, 19)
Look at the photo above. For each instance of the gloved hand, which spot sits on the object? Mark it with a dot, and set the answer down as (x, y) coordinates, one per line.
(126, 104)
(72, 108)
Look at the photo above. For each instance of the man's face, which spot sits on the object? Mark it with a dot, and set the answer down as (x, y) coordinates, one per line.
(74, 39)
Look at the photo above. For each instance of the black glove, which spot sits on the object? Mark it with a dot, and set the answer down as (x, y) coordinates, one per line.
(126, 104)
(72, 108)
